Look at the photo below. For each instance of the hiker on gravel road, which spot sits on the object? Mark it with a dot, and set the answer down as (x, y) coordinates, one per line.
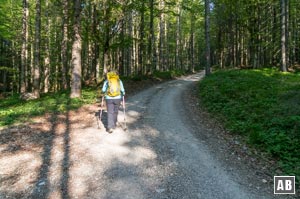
(113, 91)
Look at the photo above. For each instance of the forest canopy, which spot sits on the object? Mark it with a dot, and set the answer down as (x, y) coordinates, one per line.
(57, 45)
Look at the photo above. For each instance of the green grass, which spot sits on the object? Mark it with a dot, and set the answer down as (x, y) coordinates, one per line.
(13, 110)
(167, 75)
(263, 106)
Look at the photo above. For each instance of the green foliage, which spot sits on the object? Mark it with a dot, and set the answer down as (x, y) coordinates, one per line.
(263, 105)
(7, 69)
(135, 78)
(13, 110)
(177, 73)
(168, 74)
(162, 75)
(9, 11)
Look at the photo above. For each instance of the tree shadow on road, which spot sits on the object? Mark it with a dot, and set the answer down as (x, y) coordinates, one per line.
(29, 153)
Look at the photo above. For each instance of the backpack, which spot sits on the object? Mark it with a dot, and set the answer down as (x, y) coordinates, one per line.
(114, 88)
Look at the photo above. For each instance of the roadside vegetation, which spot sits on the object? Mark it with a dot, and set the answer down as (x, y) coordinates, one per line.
(261, 105)
(15, 110)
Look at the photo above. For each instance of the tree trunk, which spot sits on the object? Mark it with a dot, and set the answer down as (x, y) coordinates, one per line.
(207, 37)
(177, 46)
(24, 54)
(123, 50)
(283, 36)
(76, 53)
(141, 43)
(47, 51)
(152, 48)
(106, 45)
(36, 79)
(95, 61)
(129, 54)
(192, 44)
(161, 59)
(64, 46)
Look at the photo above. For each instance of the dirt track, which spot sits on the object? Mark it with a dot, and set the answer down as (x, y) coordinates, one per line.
(159, 156)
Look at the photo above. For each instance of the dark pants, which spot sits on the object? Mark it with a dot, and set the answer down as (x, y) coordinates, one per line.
(112, 112)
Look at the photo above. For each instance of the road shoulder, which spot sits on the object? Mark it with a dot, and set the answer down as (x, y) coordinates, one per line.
(244, 163)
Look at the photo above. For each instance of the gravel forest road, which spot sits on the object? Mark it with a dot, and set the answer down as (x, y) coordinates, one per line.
(159, 155)
(171, 149)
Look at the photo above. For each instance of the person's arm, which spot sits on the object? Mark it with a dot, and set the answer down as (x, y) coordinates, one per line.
(122, 88)
(104, 87)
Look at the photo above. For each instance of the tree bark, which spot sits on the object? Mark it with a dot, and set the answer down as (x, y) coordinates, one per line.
(283, 6)
(152, 48)
(161, 59)
(192, 44)
(178, 29)
(24, 53)
(64, 46)
(47, 51)
(207, 37)
(141, 43)
(36, 79)
(76, 53)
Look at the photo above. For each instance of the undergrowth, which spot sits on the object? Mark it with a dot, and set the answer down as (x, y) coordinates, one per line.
(168, 74)
(14, 110)
(262, 105)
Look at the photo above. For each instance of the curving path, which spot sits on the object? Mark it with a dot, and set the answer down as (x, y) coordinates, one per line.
(157, 157)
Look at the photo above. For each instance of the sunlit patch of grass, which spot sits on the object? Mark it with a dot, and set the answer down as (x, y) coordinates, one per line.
(14, 110)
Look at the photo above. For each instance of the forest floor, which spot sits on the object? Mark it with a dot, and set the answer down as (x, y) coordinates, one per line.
(172, 149)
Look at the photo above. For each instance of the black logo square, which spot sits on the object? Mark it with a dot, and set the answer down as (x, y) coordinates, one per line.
(284, 185)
